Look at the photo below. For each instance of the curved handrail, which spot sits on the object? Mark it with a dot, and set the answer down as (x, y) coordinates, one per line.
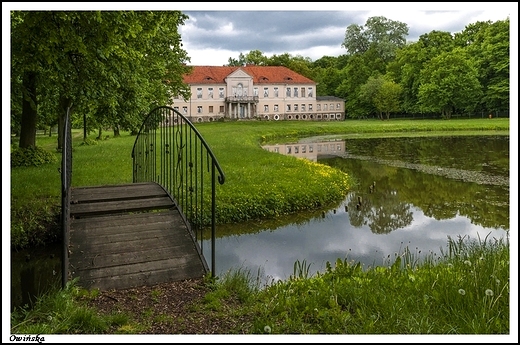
(170, 151)
(221, 176)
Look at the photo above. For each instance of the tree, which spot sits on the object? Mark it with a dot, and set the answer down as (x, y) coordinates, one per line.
(449, 83)
(387, 100)
(368, 92)
(254, 57)
(86, 57)
(383, 35)
(382, 94)
(488, 43)
(353, 76)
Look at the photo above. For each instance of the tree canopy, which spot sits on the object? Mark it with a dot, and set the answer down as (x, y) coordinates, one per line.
(112, 66)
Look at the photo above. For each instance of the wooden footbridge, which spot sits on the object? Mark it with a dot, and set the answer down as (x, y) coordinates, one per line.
(150, 231)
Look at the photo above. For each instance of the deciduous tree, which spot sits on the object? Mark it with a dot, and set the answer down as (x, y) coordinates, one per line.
(449, 83)
(88, 57)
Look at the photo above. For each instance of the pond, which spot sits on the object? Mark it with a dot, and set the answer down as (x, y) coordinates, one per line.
(413, 192)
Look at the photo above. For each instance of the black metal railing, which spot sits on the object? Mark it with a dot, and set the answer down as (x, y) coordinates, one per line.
(66, 176)
(170, 151)
(242, 99)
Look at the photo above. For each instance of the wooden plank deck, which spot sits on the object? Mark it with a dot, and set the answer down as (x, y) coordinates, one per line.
(128, 236)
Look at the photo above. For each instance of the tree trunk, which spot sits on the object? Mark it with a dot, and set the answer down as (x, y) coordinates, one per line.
(84, 127)
(99, 133)
(116, 131)
(29, 111)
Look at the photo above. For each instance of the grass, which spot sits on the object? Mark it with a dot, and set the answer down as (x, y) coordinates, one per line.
(464, 291)
(404, 298)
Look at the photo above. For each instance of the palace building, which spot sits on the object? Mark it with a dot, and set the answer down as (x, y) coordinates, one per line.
(255, 92)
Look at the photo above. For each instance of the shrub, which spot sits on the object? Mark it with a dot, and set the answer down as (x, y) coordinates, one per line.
(31, 156)
(89, 141)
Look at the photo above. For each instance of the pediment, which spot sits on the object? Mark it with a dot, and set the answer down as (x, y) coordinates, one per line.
(239, 74)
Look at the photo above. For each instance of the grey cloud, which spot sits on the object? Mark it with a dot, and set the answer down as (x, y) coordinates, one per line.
(271, 31)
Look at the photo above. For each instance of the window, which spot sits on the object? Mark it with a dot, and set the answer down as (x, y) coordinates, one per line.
(266, 108)
(255, 91)
(296, 149)
(318, 107)
(185, 110)
(303, 92)
(275, 92)
(304, 149)
(288, 107)
(324, 107)
(234, 91)
(288, 149)
(295, 92)
(211, 109)
(310, 107)
(221, 92)
(199, 92)
(309, 92)
(199, 109)
(266, 92)
(331, 106)
(176, 108)
(210, 92)
(338, 106)
(288, 92)
(276, 107)
(239, 89)
(221, 109)
(296, 107)
(303, 107)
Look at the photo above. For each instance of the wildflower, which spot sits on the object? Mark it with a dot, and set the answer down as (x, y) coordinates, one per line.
(267, 329)
(498, 281)
(462, 292)
(467, 262)
(450, 265)
(49, 317)
(489, 292)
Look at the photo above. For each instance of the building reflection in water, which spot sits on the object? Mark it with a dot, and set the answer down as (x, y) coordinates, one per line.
(309, 150)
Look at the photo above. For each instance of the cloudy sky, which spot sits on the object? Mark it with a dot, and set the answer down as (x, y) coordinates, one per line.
(211, 37)
(217, 31)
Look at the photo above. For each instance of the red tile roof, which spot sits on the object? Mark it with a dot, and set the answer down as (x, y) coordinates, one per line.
(260, 75)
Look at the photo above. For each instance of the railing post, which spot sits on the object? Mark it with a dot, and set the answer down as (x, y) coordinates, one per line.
(213, 210)
(66, 174)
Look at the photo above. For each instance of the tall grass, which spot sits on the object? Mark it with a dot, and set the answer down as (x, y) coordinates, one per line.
(465, 292)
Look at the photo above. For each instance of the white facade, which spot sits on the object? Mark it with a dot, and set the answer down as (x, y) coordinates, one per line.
(238, 97)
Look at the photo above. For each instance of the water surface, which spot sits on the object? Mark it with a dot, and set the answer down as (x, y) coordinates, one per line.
(412, 192)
